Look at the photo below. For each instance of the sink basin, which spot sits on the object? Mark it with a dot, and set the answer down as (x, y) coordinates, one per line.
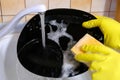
(8, 57)
(8, 60)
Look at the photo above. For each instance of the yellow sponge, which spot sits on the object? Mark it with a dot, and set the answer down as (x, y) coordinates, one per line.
(87, 39)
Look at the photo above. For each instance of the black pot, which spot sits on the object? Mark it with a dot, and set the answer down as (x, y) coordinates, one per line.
(30, 50)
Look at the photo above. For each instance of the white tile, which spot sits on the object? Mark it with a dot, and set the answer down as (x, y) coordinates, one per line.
(30, 3)
(0, 19)
(59, 4)
(0, 10)
(81, 4)
(100, 13)
(100, 5)
(9, 18)
(12, 7)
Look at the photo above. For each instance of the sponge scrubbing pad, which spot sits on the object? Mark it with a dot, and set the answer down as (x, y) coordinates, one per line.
(87, 39)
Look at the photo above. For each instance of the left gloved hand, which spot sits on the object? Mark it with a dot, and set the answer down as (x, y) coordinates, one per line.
(109, 27)
(105, 62)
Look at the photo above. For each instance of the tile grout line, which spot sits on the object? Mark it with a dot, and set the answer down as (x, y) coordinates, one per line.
(25, 7)
(110, 8)
(48, 4)
(91, 6)
(70, 3)
(101, 11)
(1, 12)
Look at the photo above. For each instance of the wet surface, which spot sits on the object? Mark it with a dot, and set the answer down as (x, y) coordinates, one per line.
(43, 61)
(33, 56)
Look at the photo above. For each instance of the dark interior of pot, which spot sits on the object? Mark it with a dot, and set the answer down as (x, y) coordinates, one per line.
(63, 28)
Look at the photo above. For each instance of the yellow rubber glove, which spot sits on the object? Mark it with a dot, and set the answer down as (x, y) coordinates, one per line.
(105, 64)
(109, 27)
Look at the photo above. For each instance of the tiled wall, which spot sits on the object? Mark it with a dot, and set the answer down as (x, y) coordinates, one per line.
(9, 8)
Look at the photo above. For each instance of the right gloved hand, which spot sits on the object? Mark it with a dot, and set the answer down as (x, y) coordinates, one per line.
(105, 62)
(109, 27)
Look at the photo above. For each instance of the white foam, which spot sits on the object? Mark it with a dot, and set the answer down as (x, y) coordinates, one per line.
(61, 31)
(69, 64)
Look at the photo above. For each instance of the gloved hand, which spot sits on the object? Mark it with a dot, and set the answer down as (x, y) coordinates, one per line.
(109, 27)
(105, 64)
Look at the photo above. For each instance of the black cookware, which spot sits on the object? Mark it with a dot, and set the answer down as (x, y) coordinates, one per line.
(48, 62)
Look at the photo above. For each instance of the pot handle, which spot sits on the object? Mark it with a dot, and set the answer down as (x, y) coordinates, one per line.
(13, 23)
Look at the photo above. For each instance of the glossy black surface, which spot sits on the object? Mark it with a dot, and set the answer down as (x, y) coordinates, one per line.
(46, 61)
(73, 17)
(30, 51)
